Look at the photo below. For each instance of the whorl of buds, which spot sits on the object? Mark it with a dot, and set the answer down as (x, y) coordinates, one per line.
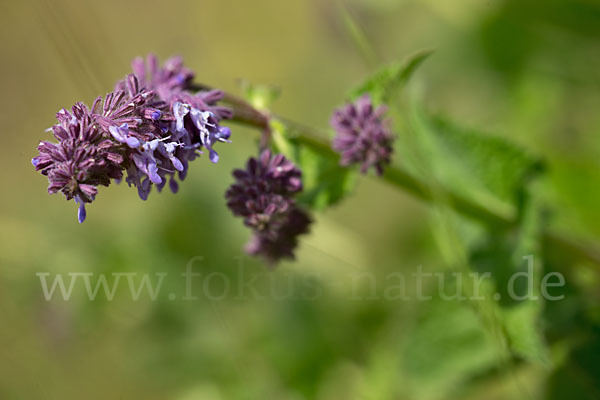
(263, 195)
(363, 136)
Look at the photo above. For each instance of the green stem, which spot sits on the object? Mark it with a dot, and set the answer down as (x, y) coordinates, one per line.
(245, 114)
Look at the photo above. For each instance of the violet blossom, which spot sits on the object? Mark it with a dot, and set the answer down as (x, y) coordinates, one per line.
(151, 126)
(363, 136)
(263, 195)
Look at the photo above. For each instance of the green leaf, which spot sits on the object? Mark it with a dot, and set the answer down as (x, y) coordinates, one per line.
(448, 346)
(506, 254)
(500, 176)
(522, 322)
(497, 164)
(523, 330)
(384, 84)
(487, 169)
(325, 181)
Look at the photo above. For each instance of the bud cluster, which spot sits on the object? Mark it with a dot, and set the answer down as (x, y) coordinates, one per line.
(263, 195)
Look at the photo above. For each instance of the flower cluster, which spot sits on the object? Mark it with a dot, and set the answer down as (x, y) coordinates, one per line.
(362, 135)
(151, 126)
(263, 195)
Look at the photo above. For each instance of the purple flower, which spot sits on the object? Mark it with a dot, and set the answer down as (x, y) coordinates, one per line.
(363, 136)
(150, 126)
(281, 245)
(83, 158)
(264, 190)
(196, 116)
(170, 78)
(264, 196)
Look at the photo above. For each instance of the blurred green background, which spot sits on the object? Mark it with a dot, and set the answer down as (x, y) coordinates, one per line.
(527, 70)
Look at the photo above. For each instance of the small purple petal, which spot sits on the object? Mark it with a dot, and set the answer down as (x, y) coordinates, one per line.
(81, 213)
(152, 113)
(177, 164)
(144, 189)
(169, 147)
(180, 110)
(161, 185)
(132, 142)
(114, 131)
(213, 156)
(153, 173)
(139, 162)
(224, 133)
(173, 185)
(151, 145)
(180, 78)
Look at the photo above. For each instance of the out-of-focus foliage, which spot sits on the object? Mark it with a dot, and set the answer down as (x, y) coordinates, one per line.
(384, 85)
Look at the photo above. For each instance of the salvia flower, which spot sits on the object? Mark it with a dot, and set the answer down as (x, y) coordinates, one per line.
(362, 135)
(150, 127)
(263, 195)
